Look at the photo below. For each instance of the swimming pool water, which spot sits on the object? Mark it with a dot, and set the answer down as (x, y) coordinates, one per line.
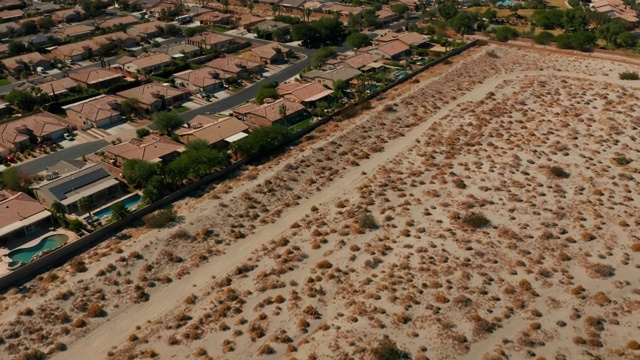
(50, 242)
(130, 202)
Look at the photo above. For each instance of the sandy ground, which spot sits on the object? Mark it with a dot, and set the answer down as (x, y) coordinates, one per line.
(283, 262)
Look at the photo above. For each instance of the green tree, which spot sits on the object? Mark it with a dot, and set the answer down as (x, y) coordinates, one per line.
(130, 106)
(463, 23)
(490, 14)
(118, 211)
(172, 30)
(627, 40)
(45, 23)
(543, 38)
(225, 5)
(339, 86)
(16, 47)
(575, 20)
(504, 33)
(447, 10)
(282, 111)
(142, 132)
(12, 179)
(156, 188)
(262, 141)
(609, 32)
(583, 40)
(400, 8)
(197, 145)
(166, 121)
(85, 204)
(306, 34)
(322, 55)
(194, 30)
(548, 19)
(138, 172)
(23, 100)
(29, 27)
(266, 93)
(358, 40)
(195, 164)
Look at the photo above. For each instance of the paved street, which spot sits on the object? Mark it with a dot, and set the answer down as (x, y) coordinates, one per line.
(42, 163)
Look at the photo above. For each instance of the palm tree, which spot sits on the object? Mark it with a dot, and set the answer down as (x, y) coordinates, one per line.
(86, 204)
(275, 8)
(57, 210)
(250, 7)
(306, 14)
(283, 113)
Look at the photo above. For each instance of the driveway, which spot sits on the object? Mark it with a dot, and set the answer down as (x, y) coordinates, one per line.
(35, 166)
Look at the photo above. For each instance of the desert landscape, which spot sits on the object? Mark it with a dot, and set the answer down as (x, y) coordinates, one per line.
(487, 209)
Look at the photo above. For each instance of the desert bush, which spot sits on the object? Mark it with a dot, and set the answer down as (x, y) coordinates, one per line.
(190, 300)
(133, 338)
(160, 218)
(559, 172)
(633, 345)
(367, 221)
(476, 220)
(629, 75)
(324, 264)
(26, 312)
(79, 266)
(266, 349)
(200, 352)
(354, 248)
(621, 160)
(387, 349)
(602, 270)
(34, 354)
(95, 310)
(79, 323)
(635, 247)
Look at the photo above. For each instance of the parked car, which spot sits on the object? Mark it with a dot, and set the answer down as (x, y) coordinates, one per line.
(68, 136)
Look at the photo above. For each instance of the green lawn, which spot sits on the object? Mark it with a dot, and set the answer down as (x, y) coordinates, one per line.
(218, 29)
(4, 82)
(301, 125)
(195, 66)
(179, 109)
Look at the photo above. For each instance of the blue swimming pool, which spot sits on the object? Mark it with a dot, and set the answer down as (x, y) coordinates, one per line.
(25, 255)
(131, 203)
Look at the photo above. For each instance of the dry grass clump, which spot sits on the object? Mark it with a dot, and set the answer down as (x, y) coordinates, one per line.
(633, 345)
(558, 172)
(602, 271)
(324, 264)
(266, 349)
(367, 221)
(476, 220)
(190, 300)
(26, 312)
(635, 247)
(95, 310)
(79, 323)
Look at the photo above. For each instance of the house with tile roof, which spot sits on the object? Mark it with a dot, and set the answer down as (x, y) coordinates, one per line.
(31, 61)
(203, 80)
(306, 93)
(28, 131)
(52, 87)
(273, 53)
(212, 40)
(217, 132)
(97, 78)
(21, 215)
(99, 111)
(267, 114)
(327, 77)
(147, 31)
(155, 96)
(152, 148)
(148, 64)
(238, 66)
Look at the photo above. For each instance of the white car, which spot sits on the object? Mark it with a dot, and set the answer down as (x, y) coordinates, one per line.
(68, 136)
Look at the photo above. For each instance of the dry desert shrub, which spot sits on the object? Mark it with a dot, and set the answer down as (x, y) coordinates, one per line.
(558, 172)
(602, 271)
(633, 345)
(635, 247)
(475, 220)
(324, 264)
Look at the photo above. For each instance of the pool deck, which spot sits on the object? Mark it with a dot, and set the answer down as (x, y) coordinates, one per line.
(82, 217)
(28, 242)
